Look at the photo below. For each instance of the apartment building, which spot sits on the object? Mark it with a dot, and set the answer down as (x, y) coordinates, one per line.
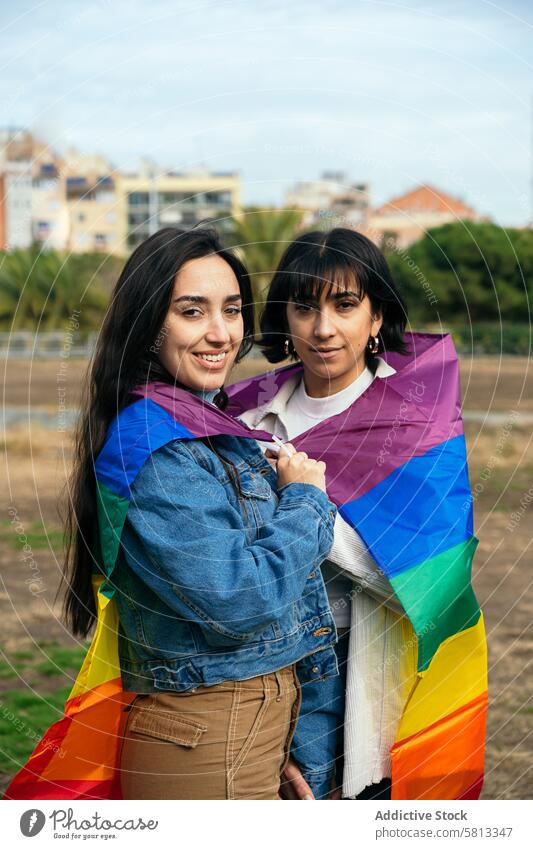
(50, 218)
(15, 189)
(151, 199)
(332, 200)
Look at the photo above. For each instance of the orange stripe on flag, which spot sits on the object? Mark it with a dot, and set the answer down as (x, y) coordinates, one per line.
(91, 746)
(445, 759)
(110, 690)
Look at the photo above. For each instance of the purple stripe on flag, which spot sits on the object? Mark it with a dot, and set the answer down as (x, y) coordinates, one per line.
(200, 417)
(395, 419)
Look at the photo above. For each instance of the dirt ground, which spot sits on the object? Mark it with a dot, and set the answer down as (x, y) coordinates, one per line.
(488, 383)
(36, 465)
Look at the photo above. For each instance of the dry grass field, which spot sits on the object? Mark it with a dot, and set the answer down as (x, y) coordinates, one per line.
(41, 658)
(488, 383)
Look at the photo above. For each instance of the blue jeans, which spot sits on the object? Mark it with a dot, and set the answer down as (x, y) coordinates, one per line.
(317, 745)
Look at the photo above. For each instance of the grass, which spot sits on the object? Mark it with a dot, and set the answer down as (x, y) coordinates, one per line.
(26, 713)
(24, 718)
(35, 535)
(59, 660)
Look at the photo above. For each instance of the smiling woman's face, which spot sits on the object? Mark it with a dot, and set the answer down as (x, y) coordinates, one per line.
(330, 336)
(203, 329)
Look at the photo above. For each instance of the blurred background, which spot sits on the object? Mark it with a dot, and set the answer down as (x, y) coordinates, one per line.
(412, 124)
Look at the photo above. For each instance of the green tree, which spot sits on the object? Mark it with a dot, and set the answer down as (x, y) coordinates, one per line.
(261, 235)
(40, 290)
(467, 271)
(22, 294)
(103, 268)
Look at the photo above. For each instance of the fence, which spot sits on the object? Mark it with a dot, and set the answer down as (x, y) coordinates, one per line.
(23, 344)
(478, 338)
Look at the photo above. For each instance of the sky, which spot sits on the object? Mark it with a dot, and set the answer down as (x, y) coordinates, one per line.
(392, 93)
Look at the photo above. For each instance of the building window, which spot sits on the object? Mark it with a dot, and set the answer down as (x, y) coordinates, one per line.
(170, 198)
(138, 198)
(100, 240)
(81, 216)
(104, 197)
(136, 219)
(218, 198)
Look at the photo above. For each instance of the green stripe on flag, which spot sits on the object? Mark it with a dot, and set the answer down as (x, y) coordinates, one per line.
(112, 510)
(438, 597)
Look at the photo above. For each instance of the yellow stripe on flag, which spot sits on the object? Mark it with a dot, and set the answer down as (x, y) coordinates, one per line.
(101, 662)
(456, 675)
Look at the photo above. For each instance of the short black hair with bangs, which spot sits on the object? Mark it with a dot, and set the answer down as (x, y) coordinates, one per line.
(318, 259)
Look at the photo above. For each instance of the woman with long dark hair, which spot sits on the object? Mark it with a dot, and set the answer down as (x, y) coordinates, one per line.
(206, 550)
(333, 306)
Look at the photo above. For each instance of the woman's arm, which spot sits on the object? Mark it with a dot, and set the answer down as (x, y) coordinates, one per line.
(350, 554)
(202, 564)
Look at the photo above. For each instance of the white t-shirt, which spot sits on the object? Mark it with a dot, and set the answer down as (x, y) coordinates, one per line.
(303, 412)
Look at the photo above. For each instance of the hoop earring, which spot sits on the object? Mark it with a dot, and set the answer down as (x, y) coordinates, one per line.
(373, 344)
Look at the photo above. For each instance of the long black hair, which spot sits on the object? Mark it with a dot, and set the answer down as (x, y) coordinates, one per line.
(126, 355)
(318, 259)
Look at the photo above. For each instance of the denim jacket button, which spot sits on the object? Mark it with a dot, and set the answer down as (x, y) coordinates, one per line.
(321, 632)
(315, 669)
(311, 576)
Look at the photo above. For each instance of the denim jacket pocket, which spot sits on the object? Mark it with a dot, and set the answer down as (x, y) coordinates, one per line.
(167, 635)
(163, 725)
(253, 485)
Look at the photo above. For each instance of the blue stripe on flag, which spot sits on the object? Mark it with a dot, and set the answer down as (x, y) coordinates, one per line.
(137, 432)
(418, 511)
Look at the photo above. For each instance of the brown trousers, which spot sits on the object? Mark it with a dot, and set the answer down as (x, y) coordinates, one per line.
(229, 741)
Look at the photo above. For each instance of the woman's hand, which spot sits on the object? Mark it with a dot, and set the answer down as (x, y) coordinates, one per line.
(293, 784)
(335, 793)
(298, 467)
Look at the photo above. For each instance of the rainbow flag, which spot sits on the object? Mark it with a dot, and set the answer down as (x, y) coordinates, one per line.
(397, 469)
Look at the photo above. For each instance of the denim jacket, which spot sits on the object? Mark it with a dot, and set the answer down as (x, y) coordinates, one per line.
(218, 572)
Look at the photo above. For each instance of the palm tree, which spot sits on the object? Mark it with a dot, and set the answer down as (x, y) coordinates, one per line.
(70, 294)
(41, 290)
(261, 235)
(21, 292)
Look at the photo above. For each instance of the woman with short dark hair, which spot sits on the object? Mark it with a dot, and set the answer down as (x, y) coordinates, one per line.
(317, 260)
(333, 305)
